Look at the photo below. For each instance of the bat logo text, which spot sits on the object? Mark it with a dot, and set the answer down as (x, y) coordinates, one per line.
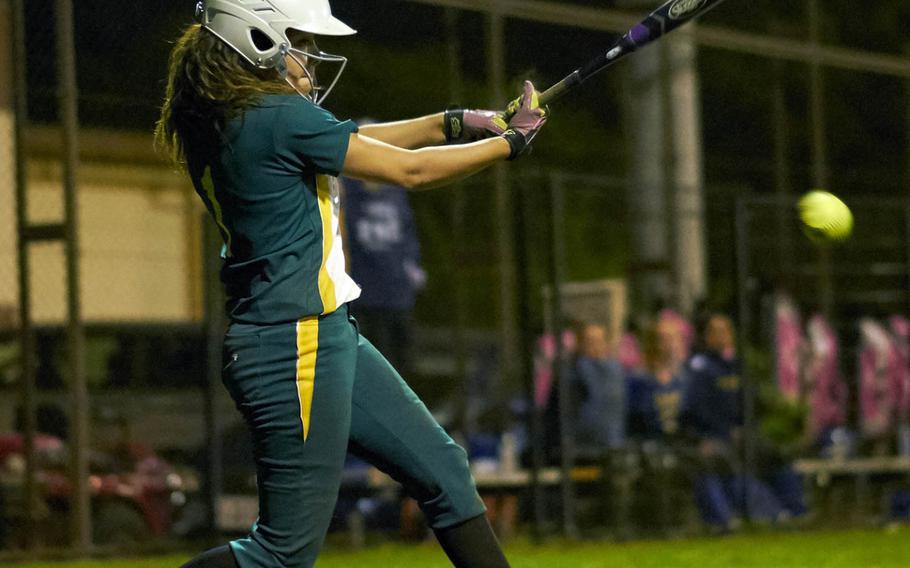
(682, 8)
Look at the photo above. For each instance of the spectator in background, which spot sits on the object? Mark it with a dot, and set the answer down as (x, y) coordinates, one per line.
(900, 332)
(598, 421)
(879, 362)
(384, 254)
(789, 348)
(827, 393)
(629, 351)
(714, 414)
(656, 393)
(599, 389)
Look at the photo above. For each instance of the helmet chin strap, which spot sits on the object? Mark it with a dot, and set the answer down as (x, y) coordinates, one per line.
(317, 93)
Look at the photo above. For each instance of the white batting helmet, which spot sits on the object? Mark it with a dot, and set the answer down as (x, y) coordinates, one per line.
(258, 29)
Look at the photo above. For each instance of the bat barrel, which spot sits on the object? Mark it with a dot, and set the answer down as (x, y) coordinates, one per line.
(662, 21)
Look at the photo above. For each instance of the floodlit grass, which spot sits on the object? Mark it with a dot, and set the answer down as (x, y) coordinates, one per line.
(862, 549)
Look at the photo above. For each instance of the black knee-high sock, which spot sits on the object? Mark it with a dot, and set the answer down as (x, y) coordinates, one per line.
(472, 544)
(221, 557)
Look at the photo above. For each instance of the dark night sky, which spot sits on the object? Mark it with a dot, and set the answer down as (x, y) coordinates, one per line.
(122, 46)
(398, 67)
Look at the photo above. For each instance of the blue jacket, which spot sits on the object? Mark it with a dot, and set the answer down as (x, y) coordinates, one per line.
(655, 409)
(600, 399)
(382, 244)
(714, 395)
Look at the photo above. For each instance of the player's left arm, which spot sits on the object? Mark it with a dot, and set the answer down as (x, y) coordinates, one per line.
(452, 126)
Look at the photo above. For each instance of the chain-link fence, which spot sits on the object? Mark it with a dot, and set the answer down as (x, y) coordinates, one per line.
(865, 277)
(138, 273)
(9, 300)
(141, 257)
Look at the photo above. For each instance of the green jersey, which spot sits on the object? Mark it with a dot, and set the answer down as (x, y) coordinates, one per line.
(270, 185)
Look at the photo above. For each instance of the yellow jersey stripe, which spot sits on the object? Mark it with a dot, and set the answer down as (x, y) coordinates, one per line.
(326, 284)
(307, 345)
(209, 186)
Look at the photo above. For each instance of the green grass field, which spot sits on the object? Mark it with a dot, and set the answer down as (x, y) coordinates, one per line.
(852, 549)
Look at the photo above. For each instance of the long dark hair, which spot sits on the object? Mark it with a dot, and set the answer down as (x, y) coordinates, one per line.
(208, 83)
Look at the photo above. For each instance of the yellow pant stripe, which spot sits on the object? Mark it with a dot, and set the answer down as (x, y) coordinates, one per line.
(307, 345)
(326, 285)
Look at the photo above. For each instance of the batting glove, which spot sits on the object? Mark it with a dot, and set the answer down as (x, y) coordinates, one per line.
(504, 116)
(462, 125)
(527, 121)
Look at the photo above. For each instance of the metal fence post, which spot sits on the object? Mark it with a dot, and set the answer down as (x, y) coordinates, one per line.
(741, 218)
(560, 380)
(820, 171)
(504, 212)
(79, 438)
(524, 365)
(214, 333)
(26, 333)
(459, 342)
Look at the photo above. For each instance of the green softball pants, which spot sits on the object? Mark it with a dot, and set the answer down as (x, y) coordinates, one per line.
(309, 392)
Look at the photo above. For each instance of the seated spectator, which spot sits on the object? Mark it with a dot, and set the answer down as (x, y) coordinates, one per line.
(827, 395)
(882, 366)
(714, 415)
(629, 351)
(598, 421)
(599, 389)
(656, 393)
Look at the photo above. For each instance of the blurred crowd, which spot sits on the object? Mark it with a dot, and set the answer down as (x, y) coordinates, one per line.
(668, 397)
(672, 396)
(866, 412)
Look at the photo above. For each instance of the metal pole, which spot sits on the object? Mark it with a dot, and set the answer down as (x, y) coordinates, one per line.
(215, 327)
(616, 21)
(561, 381)
(820, 172)
(741, 218)
(687, 204)
(782, 177)
(664, 128)
(79, 437)
(26, 334)
(646, 189)
(817, 95)
(524, 363)
(456, 94)
(504, 212)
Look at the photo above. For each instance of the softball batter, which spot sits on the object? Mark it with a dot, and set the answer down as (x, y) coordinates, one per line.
(264, 159)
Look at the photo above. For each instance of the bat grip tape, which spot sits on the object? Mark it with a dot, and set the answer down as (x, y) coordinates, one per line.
(560, 88)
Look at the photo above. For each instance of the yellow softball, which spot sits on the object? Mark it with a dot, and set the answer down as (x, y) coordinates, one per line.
(825, 216)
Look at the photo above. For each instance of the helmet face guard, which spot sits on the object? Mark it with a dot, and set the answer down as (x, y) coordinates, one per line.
(258, 31)
(310, 60)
